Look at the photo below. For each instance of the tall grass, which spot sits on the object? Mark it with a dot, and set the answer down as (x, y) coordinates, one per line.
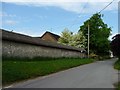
(118, 88)
(117, 65)
(16, 69)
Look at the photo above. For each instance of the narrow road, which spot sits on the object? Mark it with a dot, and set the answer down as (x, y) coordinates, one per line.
(96, 75)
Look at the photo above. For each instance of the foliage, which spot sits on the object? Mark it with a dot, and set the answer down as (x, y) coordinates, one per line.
(16, 69)
(92, 55)
(78, 40)
(117, 65)
(68, 38)
(99, 33)
(115, 45)
(117, 86)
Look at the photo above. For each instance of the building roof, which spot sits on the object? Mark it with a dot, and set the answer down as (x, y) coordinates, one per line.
(55, 36)
(16, 37)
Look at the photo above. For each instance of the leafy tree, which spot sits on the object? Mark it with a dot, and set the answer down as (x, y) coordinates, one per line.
(99, 33)
(68, 38)
(78, 40)
(115, 45)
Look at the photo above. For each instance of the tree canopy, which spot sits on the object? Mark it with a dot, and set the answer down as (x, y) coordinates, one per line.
(99, 33)
(68, 38)
(115, 45)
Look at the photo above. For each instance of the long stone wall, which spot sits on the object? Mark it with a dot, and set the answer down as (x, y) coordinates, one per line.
(14, 44)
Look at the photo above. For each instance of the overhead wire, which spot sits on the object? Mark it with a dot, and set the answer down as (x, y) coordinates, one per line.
(80, 15)
(74, 21)
(106, 6)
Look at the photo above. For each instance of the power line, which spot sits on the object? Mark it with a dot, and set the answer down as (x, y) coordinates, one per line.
(81, 12)
(70, 25)
(99, 11)
(106, 6)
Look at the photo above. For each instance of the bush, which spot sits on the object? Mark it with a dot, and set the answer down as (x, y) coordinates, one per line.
(98, 57)
(92, 55)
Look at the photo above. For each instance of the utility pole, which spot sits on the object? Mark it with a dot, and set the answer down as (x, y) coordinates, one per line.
(88, 38)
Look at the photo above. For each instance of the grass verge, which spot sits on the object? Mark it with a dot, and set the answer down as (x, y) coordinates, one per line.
(17, 69)
(117, 85)
(118, 88)
(117, 66)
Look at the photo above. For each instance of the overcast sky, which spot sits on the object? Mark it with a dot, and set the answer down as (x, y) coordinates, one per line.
(34, 17)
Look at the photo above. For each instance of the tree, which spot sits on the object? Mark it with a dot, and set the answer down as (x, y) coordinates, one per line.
(68, 38)
(115, 45)
(78, 40)
(99, 33)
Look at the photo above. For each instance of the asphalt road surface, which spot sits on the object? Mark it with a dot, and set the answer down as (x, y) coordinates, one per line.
(96, 75)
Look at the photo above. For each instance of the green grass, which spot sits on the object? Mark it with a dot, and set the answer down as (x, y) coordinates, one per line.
(117, 85)
(117, 65)
(17, 69)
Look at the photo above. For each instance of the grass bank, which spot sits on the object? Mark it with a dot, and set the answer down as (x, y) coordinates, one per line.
(117, 66)
(118, 88)
(117, 85)
(17, 69)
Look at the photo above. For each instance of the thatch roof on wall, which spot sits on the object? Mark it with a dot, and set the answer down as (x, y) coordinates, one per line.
(16, 37)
